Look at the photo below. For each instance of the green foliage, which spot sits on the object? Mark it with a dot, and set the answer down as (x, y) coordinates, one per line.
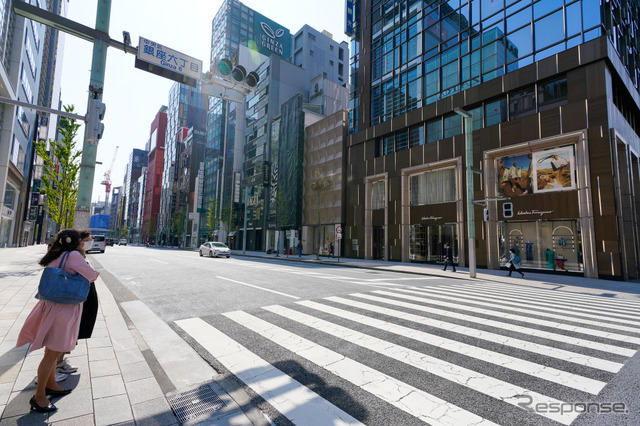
(60, 172)
(217, 218)
(178, 224)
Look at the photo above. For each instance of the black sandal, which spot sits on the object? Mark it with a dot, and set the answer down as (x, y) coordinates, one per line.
(53, 392)
(35, 407)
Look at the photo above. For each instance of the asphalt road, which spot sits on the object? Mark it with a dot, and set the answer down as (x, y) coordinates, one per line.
(324, 344)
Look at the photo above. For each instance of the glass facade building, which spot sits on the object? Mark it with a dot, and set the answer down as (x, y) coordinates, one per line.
(533, 75)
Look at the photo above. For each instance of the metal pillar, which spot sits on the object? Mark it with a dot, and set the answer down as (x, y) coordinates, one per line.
(244, 237)
(471, 228)
(89, 150)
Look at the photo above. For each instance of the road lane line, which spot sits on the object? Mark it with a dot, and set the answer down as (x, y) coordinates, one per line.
(294, 400)
(258, 287)
(410, 399)
(500, 325)
(519, 318)
(159, 261)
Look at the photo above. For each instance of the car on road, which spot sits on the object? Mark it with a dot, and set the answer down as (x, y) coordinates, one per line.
(123, 241)
(98, 244)
(215, 249)
(110, 242)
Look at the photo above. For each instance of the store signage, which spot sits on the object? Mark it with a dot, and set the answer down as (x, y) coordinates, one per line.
(431, 218)
(160, 60)
(271, 37)
(348, 18)
(534, 212)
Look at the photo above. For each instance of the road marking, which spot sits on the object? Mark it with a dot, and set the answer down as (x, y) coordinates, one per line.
(505, 326)
(294, 400)
(414, 401)
(514, 303)
(258, 287)
(159, 261)
(522, 317)
(524, 345)
(495, 388)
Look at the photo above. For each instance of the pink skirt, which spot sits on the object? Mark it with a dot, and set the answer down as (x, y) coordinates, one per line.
(51, 325)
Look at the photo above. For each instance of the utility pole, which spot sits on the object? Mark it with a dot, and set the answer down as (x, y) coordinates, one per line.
(96, 85)
(471, 228)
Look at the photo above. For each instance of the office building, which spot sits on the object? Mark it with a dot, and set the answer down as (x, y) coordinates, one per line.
(153, 182)
(552, 91)
(130, 195)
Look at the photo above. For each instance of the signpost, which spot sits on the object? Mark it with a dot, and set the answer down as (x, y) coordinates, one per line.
(338, 229)
(165, 62)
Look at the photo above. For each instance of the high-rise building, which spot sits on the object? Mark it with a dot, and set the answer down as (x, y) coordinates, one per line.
(186, 109)
(153, 183)
(233, 26)
(551, 89)
(21, 51)
(130, 195)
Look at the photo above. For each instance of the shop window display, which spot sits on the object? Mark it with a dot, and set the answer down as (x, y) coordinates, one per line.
(426, 242)
(543, 244)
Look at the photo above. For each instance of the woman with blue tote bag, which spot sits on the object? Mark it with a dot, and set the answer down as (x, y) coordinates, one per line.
(52, 325)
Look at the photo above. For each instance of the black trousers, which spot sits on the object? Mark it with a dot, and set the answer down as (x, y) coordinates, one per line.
(89, 313)
(449, 262)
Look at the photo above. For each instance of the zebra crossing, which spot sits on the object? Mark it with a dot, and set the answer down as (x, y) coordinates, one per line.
(470, 353)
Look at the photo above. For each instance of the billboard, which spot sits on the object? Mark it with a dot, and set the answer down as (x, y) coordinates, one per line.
(535, 173)
(270, 37)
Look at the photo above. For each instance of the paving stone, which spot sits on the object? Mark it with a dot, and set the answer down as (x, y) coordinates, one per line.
(5, 392)
(143, 390)
(124, 344)
(77, 403)
(18, 404)
(137, 371)
(99, 342)
(112, 410)
(107, 367)
(155, 412)
(108, 386)
(129, 357)
(101, 354)
(76, 421)
(9, 374)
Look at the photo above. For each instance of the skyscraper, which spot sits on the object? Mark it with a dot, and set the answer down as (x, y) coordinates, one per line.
(552, 91)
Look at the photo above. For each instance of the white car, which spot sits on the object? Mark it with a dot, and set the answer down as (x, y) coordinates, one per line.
(99, 243)
(215, 249)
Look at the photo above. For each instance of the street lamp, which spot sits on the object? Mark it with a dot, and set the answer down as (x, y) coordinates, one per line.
(468, 158)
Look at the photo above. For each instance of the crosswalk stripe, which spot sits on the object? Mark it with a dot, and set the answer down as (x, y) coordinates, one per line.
(505, 326)
(294, 400)
(550, 299)
(521, 318)
(258, 287)
(551, 374)
(495, 388)
(436, 293)
(412, 400)
(571, 297)
(545, 306)
(572, 357)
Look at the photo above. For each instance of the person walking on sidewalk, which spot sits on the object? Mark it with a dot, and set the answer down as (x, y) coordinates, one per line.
(55, 326)
(514, 263)
(448, 257)
(299, 248)
(331, 248)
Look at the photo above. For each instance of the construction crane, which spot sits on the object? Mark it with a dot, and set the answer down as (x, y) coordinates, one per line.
(106, 181)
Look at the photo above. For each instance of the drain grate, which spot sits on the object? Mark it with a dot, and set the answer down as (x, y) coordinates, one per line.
(195, 403)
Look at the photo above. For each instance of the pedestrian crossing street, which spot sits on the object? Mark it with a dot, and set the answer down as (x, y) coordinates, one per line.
(461, 354)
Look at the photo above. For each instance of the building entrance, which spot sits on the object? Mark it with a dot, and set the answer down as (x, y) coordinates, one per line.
(426, 242)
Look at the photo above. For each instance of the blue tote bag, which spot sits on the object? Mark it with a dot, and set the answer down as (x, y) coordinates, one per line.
(59, 286)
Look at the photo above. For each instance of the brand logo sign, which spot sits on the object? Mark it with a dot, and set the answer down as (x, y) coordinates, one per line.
(271, 37)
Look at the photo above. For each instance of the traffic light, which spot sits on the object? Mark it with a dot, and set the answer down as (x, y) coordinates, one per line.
(94, 117)
(236, 73)
(485, 214)
(507, 210)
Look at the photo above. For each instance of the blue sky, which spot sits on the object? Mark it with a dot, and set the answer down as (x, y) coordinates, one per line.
(132, 96)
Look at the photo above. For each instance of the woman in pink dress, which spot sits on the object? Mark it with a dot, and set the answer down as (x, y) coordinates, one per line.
(55, 326)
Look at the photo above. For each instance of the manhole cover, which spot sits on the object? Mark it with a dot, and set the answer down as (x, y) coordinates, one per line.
(195, 403)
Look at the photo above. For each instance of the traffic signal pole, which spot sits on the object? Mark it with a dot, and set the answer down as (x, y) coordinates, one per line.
(89, 150)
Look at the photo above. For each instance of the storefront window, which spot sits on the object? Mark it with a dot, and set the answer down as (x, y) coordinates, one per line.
(377, 195)
(544, 244)
(426, 242)
(433, 187)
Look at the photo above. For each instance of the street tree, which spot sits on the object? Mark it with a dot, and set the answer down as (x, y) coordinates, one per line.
(217, 218)
(60, 172)
(178, 225)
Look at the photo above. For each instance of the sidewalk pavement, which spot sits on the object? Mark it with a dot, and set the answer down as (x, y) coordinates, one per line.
(135, 368)
(127, 373)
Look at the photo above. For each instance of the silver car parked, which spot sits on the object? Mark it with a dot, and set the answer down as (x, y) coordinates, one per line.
(215, 249)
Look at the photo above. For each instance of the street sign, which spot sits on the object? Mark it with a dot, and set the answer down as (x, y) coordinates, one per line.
(338, 232)
(160, 60)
